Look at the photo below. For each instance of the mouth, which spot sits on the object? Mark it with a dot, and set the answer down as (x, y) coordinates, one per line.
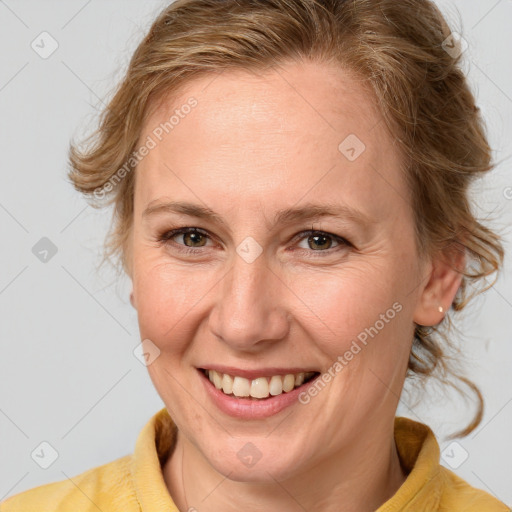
(259, 388)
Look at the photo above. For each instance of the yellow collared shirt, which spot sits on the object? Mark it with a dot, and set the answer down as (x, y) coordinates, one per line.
(135, 483)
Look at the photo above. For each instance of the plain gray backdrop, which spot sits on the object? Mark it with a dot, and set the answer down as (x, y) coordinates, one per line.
(69, 377)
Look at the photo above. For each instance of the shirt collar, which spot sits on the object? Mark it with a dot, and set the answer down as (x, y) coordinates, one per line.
(153, 445)
(416, 445)
(419, 453)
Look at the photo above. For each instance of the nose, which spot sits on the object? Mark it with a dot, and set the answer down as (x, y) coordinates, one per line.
(250, 311)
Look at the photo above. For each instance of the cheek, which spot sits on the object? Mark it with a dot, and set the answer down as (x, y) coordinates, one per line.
(167, 298)
(332, 307)
(338, 306)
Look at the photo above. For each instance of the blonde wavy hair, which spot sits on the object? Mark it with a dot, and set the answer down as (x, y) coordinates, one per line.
(396, 48)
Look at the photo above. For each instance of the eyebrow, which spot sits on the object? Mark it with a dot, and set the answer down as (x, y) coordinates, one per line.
(308, 211)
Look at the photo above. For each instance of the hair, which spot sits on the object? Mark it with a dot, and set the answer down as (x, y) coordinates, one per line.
(396, 48)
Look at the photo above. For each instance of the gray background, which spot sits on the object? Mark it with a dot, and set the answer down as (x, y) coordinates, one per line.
(68, 373)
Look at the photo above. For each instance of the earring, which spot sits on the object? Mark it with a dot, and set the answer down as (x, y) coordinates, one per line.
(440, 309)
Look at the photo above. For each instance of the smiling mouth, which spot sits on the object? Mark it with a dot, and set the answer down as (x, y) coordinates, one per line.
(259, 388)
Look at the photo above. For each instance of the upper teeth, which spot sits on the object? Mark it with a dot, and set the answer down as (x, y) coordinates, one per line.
(260, 387)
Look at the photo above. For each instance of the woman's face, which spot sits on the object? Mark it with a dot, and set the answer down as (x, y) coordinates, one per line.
(256, 163)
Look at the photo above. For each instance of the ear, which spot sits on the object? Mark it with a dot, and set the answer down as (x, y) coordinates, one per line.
(128, 263)
(442, 283)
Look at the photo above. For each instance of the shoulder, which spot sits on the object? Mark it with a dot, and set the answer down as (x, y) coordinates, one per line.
(458, 494)
(107, 487)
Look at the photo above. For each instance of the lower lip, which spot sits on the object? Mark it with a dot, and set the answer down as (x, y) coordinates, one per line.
(245, 408)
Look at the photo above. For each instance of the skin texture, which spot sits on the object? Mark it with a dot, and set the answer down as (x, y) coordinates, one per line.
(253, 145)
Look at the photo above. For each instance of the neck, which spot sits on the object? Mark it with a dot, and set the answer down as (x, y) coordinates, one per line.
(361, 478)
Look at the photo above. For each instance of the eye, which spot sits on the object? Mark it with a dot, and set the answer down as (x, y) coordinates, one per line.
(193, 239)
(319, 241)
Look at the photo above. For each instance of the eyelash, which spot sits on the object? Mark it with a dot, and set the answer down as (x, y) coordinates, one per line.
(165, 238)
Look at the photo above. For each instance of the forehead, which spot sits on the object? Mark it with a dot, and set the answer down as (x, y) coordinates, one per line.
(304, 130)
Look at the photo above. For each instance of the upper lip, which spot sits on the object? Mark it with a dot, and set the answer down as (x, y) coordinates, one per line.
(254, 373)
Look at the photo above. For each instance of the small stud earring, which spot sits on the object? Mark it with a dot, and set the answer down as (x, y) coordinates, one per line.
(440, 309)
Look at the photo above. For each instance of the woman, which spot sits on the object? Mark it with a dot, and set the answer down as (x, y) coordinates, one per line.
(290, 183)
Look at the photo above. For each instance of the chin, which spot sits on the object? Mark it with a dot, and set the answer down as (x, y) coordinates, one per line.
(242, 461)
